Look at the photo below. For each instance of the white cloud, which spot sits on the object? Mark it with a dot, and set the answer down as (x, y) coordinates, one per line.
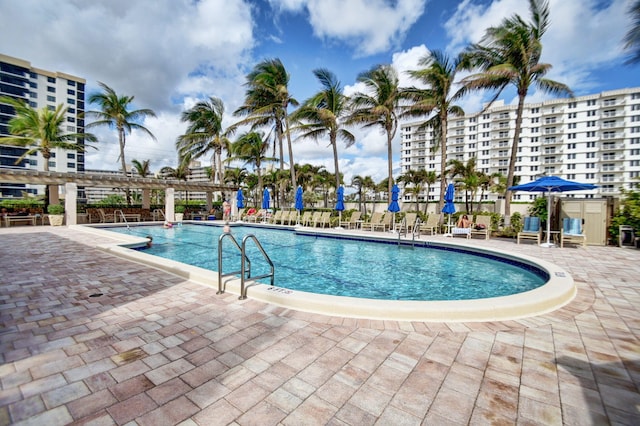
(368, 26)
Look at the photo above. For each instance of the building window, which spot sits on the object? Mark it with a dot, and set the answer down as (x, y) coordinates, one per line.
(71, 120)
(591, 155)
(591, 102)
(51, 89)
(571, 135)
(571, 126)
(573, 115)
(571, 146)
(591, 113)
(590, 175)
(71, 165)
(51, 80)
(51, 98)
(572, 104)
(591, 135)
(535, 110)
(71, 101)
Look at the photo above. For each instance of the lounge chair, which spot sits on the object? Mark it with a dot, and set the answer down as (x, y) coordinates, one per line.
(376, 218)
(306, 218)
(531, 230)
(353, 220)
(315, 217)
(104, 217)
(290, 217)
(482, 226)
(385, 224)
(407, 223)
(239, 215)
(432, 224)
(324, 220)
(572, 232)
(275, 218)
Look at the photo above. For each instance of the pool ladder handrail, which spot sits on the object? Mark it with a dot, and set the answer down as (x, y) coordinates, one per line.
(416, 229)
(158, 213)
(245, 263)
(124, 218)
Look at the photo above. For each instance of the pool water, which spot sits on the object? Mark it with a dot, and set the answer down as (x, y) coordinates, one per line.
(344, 267)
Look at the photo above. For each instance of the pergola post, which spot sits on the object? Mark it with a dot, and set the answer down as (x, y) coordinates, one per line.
(146, 199)
(70, 203)
(170, 205)
(209, 201)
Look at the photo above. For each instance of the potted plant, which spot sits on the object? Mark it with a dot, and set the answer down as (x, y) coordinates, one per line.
(180, 213)
(56, 214)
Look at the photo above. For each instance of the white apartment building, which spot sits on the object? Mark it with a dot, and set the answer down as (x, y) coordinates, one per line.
(40, 88)
(591, 139)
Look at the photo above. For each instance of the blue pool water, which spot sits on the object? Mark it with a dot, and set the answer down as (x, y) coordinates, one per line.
(346, 267)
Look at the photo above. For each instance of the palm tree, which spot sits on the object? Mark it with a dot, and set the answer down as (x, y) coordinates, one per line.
(439, 74)
(430, 178)
(114, 112)
(235, 176)
(379, 106)
(250, 147)
(358, 182)
(266, 101)
(323, 115)
(181, 172)
(40, 131)
(204, 134)
(413, 180)
(632, 38)
(142, 168)
(467, 179)
(509, 54)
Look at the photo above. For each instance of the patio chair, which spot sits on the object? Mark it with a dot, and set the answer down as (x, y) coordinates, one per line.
(306, 218)
(353, 220)
(531, 230)
(432, 224)
(104, 217)
(275, 218)
(324, 220)
(239, 215)
(385, 224)
(482, 226)
(376, 218)
(407, 223)
(572, 232)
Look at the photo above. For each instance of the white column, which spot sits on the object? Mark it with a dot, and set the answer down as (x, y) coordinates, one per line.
(170, 204)
(146, 198)
(71, 203)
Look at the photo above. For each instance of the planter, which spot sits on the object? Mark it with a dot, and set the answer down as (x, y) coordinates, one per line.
(179, 217)
(56, 219)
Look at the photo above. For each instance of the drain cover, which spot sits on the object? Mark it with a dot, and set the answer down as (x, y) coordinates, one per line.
(95, 295)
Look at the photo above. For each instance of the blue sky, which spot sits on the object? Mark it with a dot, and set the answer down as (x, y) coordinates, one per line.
(171, 53)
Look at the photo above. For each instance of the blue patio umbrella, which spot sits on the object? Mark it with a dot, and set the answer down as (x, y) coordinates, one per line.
(340, 202)
(299, 202)
(240, 199)
(449, 208)
(551, 184)
(266, 198)
(394, 207)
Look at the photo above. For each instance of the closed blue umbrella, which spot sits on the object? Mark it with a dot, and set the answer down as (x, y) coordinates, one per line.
(240, 199)
(551, 184)
(394, 207)
(340, 203)
(449, 208)
(266, 198)
(299, 202)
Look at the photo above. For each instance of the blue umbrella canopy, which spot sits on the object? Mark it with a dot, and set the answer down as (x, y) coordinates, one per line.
(394, 206)
(340, 199)
(265, 198)
(449, 207)
(551, 184)
(240, 199)
(299, 202)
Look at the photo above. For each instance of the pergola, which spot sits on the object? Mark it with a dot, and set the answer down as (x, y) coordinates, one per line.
(71, 181)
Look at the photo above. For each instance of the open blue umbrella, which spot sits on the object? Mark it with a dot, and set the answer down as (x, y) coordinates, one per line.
(240, 199)
(340, 202)
(299, 202)
(449, 208)
(551, 184)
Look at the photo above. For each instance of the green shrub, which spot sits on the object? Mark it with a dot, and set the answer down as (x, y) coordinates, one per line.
(629, 214)
(55, 209)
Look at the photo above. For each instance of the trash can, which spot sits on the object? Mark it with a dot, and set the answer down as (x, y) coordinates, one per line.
(626, 236)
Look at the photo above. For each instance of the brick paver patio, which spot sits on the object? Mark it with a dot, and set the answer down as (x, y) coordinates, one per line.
(88, 338)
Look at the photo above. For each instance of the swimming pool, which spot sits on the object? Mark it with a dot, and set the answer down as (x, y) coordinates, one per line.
(349, 267)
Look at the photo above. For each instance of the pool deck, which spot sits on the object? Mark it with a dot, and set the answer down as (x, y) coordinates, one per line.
(157, 349)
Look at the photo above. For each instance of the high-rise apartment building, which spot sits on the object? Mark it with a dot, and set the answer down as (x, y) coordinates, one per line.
(41, 89)
(592, 139)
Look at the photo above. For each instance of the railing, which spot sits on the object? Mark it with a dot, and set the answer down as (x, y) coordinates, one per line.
(157, 213)
(120, 213)
(245, 263)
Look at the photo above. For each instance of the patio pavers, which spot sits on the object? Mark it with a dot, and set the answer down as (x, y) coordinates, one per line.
(156, 349)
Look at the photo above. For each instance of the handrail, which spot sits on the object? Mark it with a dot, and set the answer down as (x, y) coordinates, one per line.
(124, 219)
(241, 271)
(158, 212)
(243, 289)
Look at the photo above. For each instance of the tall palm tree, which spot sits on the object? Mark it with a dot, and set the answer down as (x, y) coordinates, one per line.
(632, 38)
(509, 54)
(358, 182)
(379, 106)
(235, 176)
(251, 148)
(266, 102)
(467, 179)
(205, 134)
(413, 180)
(323, 115)
(41, 131)
(439, 98)
(114, 112)
(181, 172)
(143, 169)
(430, 178)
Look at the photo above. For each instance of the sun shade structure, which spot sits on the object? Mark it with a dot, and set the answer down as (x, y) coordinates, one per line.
(299, 202)
(266, 199)
(549, 184)
(449, 208)
(340, 202)
(240, 199)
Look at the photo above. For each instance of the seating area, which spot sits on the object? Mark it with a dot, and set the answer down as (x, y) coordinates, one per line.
(572, 232)
(482, 226)
(531, 230)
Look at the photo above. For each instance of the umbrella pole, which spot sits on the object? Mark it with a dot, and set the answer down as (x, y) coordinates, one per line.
(548, 243)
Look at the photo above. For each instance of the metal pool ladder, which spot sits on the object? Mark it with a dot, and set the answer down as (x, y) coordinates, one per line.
(122, 216)
(245, 263)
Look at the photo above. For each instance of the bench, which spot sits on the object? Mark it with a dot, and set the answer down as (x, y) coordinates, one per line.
(9, 219)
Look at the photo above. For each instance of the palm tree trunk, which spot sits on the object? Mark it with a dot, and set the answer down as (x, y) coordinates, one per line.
(514, 152)
(443, 159)
(390, 164)
(332, 139)
(294, 184)
(123, 162)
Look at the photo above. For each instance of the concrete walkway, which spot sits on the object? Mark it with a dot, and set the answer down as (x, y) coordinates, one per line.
(88, 338)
